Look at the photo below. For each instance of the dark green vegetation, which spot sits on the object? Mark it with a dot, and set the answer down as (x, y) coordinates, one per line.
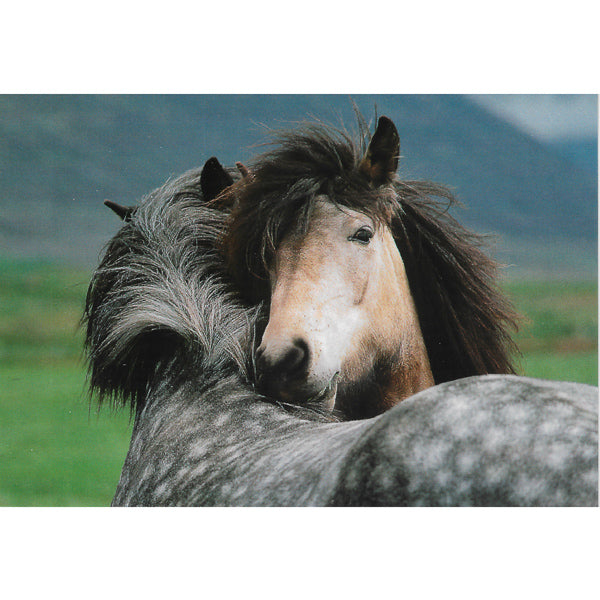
(55, 450)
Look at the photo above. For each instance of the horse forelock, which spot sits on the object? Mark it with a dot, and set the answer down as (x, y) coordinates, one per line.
(161, 299)
(286, 182)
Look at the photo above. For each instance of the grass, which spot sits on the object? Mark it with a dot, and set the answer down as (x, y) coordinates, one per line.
(558, 334)
(55, 450)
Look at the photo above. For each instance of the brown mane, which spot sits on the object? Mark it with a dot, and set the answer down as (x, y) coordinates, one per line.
(466, 320)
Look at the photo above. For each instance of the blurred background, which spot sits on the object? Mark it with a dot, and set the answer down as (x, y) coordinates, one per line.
(525, 168)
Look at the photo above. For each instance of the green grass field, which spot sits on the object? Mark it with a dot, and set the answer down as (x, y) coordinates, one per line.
(558, 334)
(56, 450)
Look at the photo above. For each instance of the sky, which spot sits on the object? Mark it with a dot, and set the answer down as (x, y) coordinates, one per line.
(548, 117)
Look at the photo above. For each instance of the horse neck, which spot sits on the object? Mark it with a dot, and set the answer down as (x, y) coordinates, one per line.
(200, 401)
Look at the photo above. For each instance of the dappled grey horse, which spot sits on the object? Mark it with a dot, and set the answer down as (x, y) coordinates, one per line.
(168, 333)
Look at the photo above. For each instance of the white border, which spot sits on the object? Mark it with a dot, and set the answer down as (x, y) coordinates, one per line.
(375, 47)
(310, 47)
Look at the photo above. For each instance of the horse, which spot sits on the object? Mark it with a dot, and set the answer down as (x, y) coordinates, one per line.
(375, 292)
(170, 334)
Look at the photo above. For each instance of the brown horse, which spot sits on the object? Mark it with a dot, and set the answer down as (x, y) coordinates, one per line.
(374, 291)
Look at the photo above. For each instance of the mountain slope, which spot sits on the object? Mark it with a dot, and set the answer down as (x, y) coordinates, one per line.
(61, 156)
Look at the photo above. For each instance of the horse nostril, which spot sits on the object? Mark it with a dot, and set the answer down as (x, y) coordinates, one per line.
(296, 359)
(282, 364)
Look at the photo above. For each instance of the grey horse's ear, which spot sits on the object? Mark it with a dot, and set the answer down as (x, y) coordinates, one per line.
(124, 212)
(213, 179)
(381, 159)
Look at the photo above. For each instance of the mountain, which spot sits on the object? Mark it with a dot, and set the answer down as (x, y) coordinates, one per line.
(61, 156)
(581, 152)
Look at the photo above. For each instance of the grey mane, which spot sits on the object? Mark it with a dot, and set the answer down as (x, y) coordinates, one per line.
(161, 298)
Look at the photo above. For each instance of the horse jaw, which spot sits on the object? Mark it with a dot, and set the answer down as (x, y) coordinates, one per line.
(396, 347)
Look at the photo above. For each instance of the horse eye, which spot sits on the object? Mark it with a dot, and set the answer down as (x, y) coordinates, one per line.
(363, 235)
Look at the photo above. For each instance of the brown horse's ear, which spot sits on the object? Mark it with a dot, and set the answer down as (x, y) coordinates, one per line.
(214, 179)
(124, 212)
(381, 160)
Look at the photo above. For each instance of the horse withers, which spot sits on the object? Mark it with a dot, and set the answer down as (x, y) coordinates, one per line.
(374, 292)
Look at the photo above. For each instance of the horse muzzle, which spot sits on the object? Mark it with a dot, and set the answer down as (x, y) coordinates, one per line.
(282, 373)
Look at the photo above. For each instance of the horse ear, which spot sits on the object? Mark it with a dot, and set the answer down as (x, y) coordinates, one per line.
(381, 159)
(124, 212)
(214, 179)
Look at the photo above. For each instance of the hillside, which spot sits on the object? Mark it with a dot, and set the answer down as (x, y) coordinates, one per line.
(61, 156)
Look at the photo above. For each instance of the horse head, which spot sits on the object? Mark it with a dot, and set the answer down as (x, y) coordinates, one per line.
(342, 317)
(374, 291)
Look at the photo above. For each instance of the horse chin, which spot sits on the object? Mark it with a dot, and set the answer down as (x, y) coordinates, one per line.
(322, 400)
(325, 399)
